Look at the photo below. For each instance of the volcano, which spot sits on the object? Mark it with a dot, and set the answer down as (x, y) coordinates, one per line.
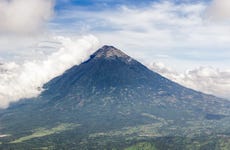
(108, 98)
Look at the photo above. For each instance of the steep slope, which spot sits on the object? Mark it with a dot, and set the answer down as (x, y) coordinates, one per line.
(111, 78)
(111, 91)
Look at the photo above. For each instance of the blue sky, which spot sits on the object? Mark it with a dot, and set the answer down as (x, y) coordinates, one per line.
(92, 3)
(111, 3)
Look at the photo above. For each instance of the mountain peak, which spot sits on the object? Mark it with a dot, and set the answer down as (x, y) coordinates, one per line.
(109, 52)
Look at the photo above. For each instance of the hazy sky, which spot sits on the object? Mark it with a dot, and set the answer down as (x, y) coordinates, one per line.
(187, 41)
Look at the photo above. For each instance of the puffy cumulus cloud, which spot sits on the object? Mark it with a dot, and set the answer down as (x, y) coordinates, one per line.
(219, 10)
(24, 16)
(161, 68)
(206, 79)
(25, 80)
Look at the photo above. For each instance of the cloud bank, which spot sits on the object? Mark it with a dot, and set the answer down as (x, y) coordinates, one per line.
(206, 79)
(25, 80)
(24, 16)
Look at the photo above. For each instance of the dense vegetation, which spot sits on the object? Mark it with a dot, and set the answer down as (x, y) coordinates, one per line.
(63, 141)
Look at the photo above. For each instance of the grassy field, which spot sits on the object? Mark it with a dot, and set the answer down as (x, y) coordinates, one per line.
(41, 132)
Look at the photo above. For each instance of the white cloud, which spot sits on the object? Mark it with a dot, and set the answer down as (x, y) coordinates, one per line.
(219, 10)
(206, 79)
(24, 16)
(23, 81)
(23, 24)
